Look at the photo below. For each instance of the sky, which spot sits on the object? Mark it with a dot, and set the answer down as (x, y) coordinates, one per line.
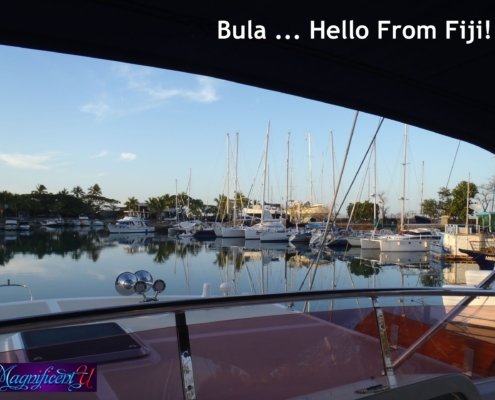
(142, 132)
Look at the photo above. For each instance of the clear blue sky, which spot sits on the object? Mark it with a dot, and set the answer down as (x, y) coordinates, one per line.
(69, 120)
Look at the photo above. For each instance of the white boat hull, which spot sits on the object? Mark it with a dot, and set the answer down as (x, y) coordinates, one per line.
(252, 234)
(370, 244)
(275, 236)
(354, 241)
(404, 243)
(232, 232)
(112, 228)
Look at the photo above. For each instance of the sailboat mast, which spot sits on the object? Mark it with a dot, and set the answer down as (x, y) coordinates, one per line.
(422, 186)
(265, 171)
(310, 183)
(404, 181)
(236, 181)
(228, 174)
(333, 162)
(467, 204)
(176, 203)
(189, 191)
(374, 182)
(287, 182)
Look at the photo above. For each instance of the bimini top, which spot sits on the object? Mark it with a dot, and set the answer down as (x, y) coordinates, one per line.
(428, 64)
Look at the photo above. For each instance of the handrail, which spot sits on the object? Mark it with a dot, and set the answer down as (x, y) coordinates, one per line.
(9, 284)
(141, 309)
(483, 285)
(179, 308)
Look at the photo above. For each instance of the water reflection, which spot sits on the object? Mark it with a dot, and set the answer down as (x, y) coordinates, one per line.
(72, 243)
(86, 262)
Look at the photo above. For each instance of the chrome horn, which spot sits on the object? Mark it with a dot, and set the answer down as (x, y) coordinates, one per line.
(125, 282)
(140, 282)
(145, 281)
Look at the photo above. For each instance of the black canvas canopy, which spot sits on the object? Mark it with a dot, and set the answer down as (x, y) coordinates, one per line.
(389, 59)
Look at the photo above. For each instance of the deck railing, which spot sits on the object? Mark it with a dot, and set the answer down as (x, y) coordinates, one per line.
(180, 307)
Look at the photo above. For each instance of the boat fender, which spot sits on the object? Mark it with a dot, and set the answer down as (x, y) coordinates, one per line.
(206, 290)
(225, 288)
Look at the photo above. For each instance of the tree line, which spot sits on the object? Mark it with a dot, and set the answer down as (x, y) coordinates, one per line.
(189, 207)
(69, 204)
(41, 203)
(451, 202)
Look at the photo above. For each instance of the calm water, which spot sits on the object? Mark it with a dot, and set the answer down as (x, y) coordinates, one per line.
(78, 263)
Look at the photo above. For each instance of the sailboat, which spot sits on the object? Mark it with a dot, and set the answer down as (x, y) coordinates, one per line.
(371, 241)
(354, 239)
(234, 231)
(269, 229)
(217, 227)
(418, 239)
(277, 230)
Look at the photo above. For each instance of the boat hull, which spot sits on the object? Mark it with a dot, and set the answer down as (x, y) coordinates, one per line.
(232, 233)
(370, 244)
(275, 236)
(406, 243)
(112, 228)
(251, 233)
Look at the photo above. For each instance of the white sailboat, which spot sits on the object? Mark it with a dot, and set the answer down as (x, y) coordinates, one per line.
(269, 229)
(277, 231)
(254, 232)
(412, 240)
(217, 227)
(234, 231)
(371, 242)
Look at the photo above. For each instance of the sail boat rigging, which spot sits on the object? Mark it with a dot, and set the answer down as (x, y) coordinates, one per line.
(418, 239)
(234, 231)
(218, 226)
(267, 223)
(277, 231)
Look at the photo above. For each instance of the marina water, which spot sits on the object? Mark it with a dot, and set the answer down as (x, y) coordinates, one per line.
(85, 263)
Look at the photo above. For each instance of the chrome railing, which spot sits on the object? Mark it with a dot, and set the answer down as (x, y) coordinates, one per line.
(180, 307)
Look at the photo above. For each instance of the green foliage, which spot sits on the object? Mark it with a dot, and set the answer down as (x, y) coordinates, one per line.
(40, 202)
(444, 201)
(363, 212)
(430, 208)
(459, 199)
(360, 267)
(131, 204)
(221, 202)
(451, 202)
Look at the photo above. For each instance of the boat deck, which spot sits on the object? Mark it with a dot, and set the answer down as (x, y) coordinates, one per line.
(265, 351)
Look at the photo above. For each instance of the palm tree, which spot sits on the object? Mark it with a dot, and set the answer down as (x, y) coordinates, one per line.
(78, 191)
(241, 200)
(6, 201)
(40, 199)
(132, 204)
(221, 201)
(168, 201)
(40, 189)
(156, 205)
(95, 190)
